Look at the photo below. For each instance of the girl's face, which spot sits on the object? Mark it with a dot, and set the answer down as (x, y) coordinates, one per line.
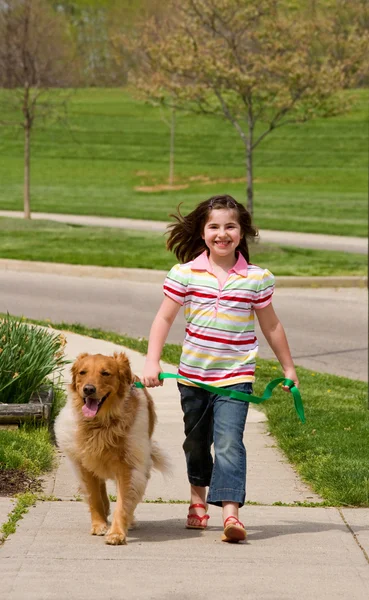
(222, 232)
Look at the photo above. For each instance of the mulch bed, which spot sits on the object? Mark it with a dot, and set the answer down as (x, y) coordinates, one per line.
(14, 481)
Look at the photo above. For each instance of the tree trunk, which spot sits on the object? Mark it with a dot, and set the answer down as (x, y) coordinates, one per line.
(249, 176)
(249, 165)
(171, 151)
(27, 137)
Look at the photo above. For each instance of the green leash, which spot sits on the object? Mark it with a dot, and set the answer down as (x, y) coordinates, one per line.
(236, 395)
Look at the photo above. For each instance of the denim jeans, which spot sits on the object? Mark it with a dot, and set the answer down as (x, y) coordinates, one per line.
(213, 418)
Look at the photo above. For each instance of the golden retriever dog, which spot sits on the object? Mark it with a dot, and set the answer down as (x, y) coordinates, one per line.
(105, 429)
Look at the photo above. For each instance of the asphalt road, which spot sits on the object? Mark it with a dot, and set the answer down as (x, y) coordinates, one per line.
(327, 328)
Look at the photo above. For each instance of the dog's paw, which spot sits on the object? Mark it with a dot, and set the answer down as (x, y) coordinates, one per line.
(99, 528)
(115, 539)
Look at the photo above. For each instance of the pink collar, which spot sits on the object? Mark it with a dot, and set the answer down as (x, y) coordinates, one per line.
(202, 263)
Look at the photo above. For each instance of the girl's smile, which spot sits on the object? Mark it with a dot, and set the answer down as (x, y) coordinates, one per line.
(222, 233)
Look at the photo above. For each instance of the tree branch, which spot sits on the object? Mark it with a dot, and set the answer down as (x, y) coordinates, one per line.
(274, 123)
(229, 115)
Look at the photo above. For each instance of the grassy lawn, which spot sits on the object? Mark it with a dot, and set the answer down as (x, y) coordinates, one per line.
(330, 451)
(27, 449)
(58, 242)
(26, 453)
(112, 160)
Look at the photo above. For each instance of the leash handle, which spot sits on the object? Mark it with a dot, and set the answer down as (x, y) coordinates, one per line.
(242, 396)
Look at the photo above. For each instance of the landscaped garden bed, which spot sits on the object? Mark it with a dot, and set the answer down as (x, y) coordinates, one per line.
(31, 360)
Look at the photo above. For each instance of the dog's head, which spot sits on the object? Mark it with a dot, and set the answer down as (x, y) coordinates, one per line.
(98, 381)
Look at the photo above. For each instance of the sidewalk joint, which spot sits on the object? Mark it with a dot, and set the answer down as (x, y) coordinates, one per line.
(354, 535)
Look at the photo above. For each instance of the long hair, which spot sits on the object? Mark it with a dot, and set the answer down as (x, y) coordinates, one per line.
(185, 235)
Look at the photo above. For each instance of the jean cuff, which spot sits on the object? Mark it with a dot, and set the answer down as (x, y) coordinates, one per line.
(200, 481)
(219, 496)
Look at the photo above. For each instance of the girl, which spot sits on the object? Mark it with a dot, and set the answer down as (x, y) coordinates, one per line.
(220, 291)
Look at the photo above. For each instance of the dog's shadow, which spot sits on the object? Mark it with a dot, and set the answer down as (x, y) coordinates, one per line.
(161, 531)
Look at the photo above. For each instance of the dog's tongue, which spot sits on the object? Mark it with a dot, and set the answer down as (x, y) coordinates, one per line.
(90, 408)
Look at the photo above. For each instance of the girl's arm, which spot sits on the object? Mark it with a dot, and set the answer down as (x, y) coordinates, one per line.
(275, 335)
(158, 334)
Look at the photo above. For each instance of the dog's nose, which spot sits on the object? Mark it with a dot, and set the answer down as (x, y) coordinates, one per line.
(89, 389)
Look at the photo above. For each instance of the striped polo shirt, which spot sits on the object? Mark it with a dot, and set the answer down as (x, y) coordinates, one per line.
(220, 345)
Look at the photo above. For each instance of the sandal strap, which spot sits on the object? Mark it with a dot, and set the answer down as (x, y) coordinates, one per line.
(197, 506)
(236, 521)
(198, 518)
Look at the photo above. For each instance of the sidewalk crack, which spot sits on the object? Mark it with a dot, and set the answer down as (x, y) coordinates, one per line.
(354, 535)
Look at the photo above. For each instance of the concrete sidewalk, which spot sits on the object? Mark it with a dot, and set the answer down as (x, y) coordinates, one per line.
(287, 238)
(291, 552)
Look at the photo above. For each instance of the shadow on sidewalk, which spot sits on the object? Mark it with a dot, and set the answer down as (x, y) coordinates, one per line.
(170, 529)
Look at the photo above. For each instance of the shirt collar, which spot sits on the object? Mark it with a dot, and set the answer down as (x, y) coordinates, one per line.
(202, 263)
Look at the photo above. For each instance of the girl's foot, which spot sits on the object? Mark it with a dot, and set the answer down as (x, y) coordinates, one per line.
(234, 530)
(197, 517)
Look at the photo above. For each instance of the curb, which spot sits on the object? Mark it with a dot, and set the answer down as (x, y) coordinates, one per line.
(152, 276)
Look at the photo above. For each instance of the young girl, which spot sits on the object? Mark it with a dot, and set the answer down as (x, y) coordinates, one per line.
(220, 291)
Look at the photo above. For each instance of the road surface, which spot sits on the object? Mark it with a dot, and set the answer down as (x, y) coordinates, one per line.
(327, 328)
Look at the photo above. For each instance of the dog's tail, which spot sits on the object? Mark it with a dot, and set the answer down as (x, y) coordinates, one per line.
(160, 460)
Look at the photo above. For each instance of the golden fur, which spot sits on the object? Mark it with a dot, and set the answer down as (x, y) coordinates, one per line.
(106, 429)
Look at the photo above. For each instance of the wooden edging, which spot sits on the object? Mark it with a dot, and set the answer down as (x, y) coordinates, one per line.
(37, 409)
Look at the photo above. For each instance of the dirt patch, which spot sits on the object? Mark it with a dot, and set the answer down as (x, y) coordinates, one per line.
(160, 188)
(143, 173)
(200, 179)
(206, 180)
(14, 481)
(228, 180)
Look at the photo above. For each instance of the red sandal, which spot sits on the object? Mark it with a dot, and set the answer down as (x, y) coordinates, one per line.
(200, 520)
(234, 531)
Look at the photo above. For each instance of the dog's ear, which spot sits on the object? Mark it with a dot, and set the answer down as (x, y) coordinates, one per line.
(75, 368)
(125, 373)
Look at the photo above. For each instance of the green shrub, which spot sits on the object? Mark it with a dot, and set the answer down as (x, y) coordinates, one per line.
(60, 398)
(28, 355)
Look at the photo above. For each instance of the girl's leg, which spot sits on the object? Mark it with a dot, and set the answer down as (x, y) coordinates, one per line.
(228, 480)
(198, 426)
(230, 509)
(198, 496)
(228, 483)
(198, 422)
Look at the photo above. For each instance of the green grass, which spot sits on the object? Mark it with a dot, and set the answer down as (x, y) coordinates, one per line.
(57, 242)
(309, 178)
(331, 451)
(28, 449)
(24, 502)
(60, 398)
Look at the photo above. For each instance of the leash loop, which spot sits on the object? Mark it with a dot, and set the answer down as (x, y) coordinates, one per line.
(242, 396)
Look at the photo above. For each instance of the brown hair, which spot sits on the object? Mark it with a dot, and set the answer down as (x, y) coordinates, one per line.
(185, 235)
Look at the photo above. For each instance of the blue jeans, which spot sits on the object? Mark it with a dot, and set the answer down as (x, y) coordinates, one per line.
(213, 418)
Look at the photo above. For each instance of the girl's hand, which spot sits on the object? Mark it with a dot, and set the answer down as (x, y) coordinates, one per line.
(290, 374)
(150, 375)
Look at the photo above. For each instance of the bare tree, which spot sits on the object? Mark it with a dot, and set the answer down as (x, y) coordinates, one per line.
(349, 22)
(93, 25)
(34, 54)
(255, 63)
